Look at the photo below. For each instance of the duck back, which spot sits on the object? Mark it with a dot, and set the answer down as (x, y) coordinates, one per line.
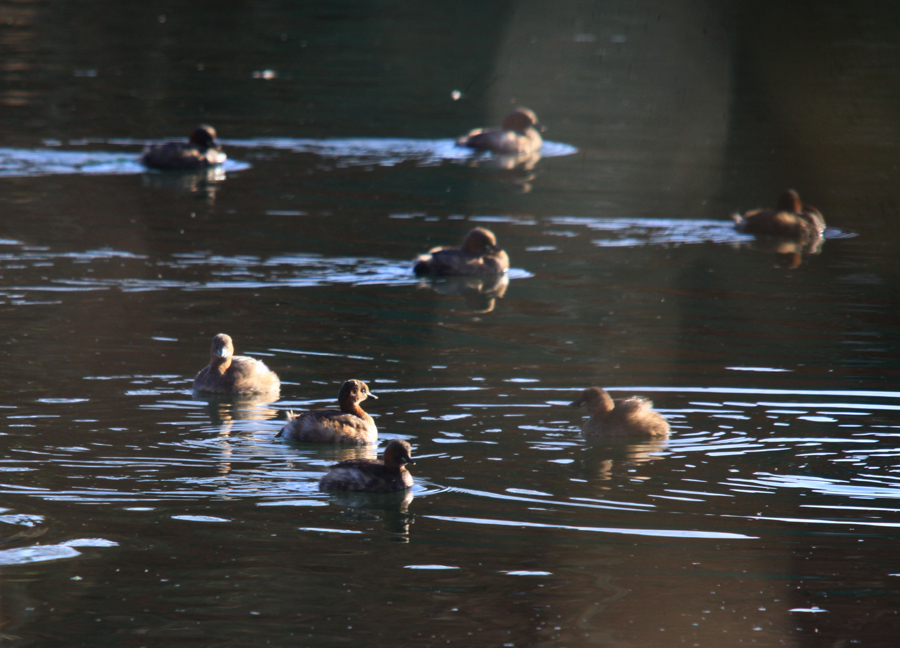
(330, 426)
(244, 376)
(636, 416)
(630, 417)
(365, 475)
(519, 135)
(790, 219)
(491, 139)
(768, 222)
(180, 156)
(455, 262)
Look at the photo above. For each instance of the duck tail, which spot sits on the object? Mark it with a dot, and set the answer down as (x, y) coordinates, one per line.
(290, 417)
(422, 265)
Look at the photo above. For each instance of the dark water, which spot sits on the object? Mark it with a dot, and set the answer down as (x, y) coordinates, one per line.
(133, 513)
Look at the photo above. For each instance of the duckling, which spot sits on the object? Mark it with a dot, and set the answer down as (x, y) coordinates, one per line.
(628, 417)
(227, 373)
(518, 135)
(350, 424)
(370, 476)
(479, 255)
(790, 219)
(200, 151)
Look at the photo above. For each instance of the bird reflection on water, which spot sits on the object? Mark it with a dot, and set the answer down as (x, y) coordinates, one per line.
(391, 508)
(204, 182)
(605, 457)
(479, 294)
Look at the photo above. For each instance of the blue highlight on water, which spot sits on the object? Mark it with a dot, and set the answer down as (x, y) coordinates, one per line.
(348, 152)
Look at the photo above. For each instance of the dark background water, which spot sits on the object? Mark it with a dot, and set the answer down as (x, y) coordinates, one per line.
(132, 513)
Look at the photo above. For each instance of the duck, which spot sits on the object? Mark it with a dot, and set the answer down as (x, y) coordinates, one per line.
(478, 256)
(349, 425)
(632, 416)
(520, 134)
(199, 152)
(227, 373)
(790, 219)
(371, 476)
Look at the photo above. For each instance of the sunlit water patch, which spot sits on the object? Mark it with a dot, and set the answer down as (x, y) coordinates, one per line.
(191, 455)
(105, 269)
(760, 456)
(385, 152)
(630, 232)
(43, 553)
(658, 533)
(838, 444)
(50, 161)
(718, 463)
(356, 151)
(634, 232)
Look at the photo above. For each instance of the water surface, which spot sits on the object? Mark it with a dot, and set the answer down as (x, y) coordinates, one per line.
(134, 510)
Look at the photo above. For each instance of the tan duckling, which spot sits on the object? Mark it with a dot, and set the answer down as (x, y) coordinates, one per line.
(519, 135)
(370, 476)
(479, 255)
(199, 152)
(790, 219)
(628, 417)
(227, 373)
(350, 424)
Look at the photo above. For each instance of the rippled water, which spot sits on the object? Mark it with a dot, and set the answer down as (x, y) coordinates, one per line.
(134, 511)
(345, 152)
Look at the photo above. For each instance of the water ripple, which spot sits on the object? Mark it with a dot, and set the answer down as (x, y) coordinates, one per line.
(580, 502)
(220, 271)
(43, 553)
(360, 151)
(43, 162)
(657, 533)
(385, 151)
(633, 232)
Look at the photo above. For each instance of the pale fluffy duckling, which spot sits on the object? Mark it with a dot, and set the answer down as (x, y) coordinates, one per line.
(628, 417)
(518, 135)
(350, 424)
(370, 476)
(227, 373)
(479, 255)
(790, 219)
(199, 152)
